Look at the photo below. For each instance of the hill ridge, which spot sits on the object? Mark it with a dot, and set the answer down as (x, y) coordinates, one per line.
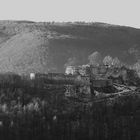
(27, 46)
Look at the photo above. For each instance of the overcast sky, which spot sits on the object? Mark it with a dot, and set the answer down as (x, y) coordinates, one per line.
(122, 12)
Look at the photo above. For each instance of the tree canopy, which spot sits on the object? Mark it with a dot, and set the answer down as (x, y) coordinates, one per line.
(108, 60)
(95, 59)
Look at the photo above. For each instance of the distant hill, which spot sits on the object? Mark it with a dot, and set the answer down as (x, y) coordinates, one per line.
(27, 46)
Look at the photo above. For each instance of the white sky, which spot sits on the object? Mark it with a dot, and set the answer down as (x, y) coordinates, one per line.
(122, 12)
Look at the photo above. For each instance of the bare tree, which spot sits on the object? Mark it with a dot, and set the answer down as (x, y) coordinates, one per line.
(116, 62)
(95, 59)
(108, 60)
(136, 67)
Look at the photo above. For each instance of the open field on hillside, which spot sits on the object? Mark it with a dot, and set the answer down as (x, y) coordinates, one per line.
(47, 47)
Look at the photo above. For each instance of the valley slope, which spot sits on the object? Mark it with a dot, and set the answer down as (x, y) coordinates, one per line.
(27, 46)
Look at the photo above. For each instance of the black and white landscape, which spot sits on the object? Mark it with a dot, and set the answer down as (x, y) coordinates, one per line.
(48, 47)
(69, 81)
